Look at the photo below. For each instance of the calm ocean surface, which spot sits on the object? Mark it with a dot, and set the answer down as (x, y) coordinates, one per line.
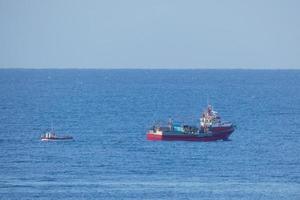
(108, 113)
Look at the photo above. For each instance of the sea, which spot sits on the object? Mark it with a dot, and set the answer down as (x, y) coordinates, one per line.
(108, 112)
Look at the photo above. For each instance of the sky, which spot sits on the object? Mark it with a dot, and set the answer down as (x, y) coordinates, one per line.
(181, 34)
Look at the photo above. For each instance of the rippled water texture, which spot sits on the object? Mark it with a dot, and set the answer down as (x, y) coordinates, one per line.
(108, 113)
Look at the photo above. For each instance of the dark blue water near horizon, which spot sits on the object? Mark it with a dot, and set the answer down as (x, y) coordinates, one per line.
(108, 113)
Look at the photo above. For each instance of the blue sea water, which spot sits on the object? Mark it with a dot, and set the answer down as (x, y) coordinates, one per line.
(108, 113)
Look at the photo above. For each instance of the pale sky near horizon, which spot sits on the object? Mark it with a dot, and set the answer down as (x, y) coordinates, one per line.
(254, 34)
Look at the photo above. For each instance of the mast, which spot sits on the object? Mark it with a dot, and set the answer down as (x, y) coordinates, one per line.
(52, 129)
(207, 100)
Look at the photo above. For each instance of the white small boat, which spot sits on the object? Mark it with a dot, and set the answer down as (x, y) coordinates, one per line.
(51, 136)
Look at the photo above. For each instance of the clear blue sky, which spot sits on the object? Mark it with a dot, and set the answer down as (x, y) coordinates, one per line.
(150, 34)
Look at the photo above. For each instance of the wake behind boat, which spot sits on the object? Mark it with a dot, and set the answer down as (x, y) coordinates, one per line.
(51, 136)
(211, 128)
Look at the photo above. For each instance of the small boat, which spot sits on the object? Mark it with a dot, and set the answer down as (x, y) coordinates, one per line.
(51, 136)
(211, 128)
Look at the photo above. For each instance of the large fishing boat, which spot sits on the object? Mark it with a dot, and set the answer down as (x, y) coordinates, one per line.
(211, 128)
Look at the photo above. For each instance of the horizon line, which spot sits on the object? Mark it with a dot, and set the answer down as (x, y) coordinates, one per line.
(136, 68)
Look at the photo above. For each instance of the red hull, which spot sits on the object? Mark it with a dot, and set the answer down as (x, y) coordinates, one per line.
(214, 137)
